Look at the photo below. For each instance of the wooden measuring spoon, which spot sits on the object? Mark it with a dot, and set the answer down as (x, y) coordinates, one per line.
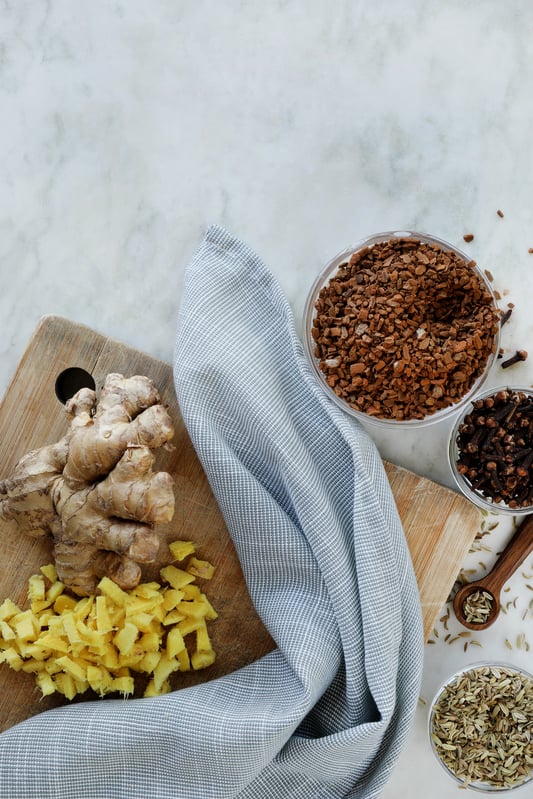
(518, 548)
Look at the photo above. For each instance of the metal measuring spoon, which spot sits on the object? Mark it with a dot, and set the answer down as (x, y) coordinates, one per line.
(518, 548)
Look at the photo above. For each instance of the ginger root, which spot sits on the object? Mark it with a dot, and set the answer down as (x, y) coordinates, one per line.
(94, 491)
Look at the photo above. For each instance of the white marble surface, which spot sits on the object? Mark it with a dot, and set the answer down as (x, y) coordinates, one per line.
(127, 127)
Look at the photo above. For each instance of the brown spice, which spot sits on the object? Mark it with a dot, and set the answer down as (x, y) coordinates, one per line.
(505, 317)
(495, 448)
(500, 213)
(468, 237)
(520, 355)
(403, 329)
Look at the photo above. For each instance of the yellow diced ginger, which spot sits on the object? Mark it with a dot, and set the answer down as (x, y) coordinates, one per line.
(25, 625)
(193, 609)
(64, 603)
(171, 598)
(38, 605)
(150, 642)
(188, 626)
(103, 620)
(175, 642)
(113, 591)
(109, 657)
(36, 589)
(65, 684)
(12, 658)
(203, 642)
(6, 632)
(180, 549)
(49, 572)
(36, 651)
(149, 662)
(175, 577)
(83, 607)
(183, 660)
(8, 609)
(72, 667)
(191, 591)
(147, 590)
(71, 628)
(201, 660)
(210, 612)
(55, 643)
(142, 621)
(200, 568)
(164, 668)
(173, 617)
(45, 683)
(125, 638)
(133, 658)
(123, 685)
(55, 590)
(151, 690)
(99, 678)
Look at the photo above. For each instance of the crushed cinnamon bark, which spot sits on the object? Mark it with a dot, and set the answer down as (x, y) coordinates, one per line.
(404, 329)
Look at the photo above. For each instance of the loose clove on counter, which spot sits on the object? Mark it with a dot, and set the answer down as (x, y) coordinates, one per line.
(520, 355)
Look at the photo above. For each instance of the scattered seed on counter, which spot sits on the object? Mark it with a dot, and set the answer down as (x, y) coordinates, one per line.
(500, 213)
(468, 237)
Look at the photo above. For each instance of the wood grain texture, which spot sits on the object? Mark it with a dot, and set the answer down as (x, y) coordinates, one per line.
(439, 524)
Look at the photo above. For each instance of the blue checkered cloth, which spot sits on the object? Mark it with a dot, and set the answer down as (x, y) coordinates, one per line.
(309, 508)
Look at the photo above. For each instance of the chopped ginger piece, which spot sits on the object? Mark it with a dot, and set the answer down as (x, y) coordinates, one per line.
(97, 642)
(177, 578)
(180, 549)
(200, 568)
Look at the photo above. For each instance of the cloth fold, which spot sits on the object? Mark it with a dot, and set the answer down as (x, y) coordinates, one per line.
(310, 511)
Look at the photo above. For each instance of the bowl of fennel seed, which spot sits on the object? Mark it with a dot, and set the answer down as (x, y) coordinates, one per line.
(481, 727)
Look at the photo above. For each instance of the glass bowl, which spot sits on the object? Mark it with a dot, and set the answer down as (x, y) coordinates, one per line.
(386, 416)
(505, 471)
(468, 701)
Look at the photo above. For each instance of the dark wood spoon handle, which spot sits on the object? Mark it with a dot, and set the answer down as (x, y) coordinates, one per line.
(518, 548)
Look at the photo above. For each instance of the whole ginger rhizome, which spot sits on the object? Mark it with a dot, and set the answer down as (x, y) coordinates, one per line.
(95, 493)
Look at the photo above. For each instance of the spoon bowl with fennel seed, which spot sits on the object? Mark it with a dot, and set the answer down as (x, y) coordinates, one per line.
(477, 604)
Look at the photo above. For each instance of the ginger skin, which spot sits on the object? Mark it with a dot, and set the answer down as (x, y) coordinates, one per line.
(94, 491)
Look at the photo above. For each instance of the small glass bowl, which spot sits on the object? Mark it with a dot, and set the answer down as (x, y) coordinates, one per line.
(476, 496)
(309, 313)
(474, 785)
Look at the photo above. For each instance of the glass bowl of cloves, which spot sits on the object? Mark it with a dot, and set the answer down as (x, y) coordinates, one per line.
(491, 450)
(480, 725)
(401, 329)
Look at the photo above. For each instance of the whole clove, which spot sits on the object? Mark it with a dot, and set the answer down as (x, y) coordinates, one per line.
(520, 355)
(495, 448)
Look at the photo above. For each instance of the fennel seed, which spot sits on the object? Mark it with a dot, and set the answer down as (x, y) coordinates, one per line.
(481, 727)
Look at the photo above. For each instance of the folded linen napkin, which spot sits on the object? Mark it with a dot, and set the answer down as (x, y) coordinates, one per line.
(312, 516)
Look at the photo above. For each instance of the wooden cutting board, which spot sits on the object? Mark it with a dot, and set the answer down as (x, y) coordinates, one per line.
(439, 524)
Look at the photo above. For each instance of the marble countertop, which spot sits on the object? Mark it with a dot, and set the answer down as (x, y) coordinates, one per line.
(301, 127)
